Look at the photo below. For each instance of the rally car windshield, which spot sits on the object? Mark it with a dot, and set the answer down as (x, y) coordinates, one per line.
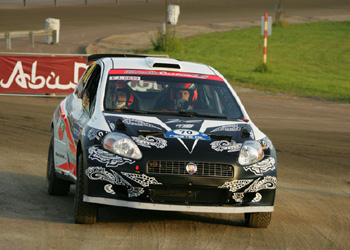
(182, 94)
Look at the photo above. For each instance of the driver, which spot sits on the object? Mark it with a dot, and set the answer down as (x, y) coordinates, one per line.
(183, 96)
(119, 99)
(122, 97)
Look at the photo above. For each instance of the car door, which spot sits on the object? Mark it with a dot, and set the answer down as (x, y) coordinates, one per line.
(82, 107)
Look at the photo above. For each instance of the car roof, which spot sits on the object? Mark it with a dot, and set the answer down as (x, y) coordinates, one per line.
(157, 63)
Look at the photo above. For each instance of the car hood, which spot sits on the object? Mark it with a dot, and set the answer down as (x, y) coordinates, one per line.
(182, 135)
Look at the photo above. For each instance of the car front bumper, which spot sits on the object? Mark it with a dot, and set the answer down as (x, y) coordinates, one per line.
(249, 189)
(178, 208)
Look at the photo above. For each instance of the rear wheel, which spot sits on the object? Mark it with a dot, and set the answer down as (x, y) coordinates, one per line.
(84, 213)
(54, 185)
(258, 220)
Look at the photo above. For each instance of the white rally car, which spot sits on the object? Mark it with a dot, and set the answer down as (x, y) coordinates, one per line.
(161, 134)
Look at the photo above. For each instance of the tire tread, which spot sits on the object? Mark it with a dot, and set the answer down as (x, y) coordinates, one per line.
(258, 220)
(84, 213)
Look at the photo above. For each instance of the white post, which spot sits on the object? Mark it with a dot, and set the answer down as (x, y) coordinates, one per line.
(54, 37)
(8, 40)
(53, 24)
(31, 38)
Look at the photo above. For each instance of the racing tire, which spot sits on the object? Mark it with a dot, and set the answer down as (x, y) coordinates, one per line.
(258, 220)
(84, 213)
(54, 185)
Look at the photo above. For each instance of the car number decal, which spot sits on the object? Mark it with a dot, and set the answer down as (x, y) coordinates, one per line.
(187, 134)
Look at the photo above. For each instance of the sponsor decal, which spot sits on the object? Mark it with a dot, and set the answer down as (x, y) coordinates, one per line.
(60, 155)
(183, 121)
(150, 141)
(61, 129)
(268, 182)
(261, 167)
(99, 173)
(110, 159)
(163, 73)
(142, 179)
(144, 86)
(125, 78)
(76, 131)
(235, 185)
(229, 127)
(140, 123)
(187, 134)
(223, 145)
(184, 125)
(94, 133)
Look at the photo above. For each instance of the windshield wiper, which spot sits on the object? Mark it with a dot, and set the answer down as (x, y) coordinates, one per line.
(185, 113)
(167, 112)
(203, 115)
(137, 111)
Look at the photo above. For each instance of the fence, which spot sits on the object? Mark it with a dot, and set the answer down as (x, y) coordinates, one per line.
(11, 34)
(85, 1)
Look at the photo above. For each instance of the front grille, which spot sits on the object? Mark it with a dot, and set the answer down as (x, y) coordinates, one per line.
(179, 168)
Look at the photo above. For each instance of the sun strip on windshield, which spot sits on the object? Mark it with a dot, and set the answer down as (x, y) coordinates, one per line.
(163, 73)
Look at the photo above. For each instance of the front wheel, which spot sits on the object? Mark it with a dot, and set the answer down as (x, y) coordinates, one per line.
(54, 185)
(258, 220)
(84, 213)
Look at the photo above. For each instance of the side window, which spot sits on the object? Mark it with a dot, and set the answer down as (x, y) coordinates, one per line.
(228, 103)
(83, 80)
(89, 92)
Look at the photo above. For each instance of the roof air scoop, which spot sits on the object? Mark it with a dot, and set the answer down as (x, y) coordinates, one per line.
(163, 63)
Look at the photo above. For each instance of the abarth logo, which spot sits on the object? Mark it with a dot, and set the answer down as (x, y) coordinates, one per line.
(191, 168)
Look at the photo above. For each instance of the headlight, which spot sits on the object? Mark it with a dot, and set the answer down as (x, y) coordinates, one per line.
(251, 152)
(122, 145)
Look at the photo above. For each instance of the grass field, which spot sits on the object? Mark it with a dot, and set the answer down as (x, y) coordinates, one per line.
(309, 60)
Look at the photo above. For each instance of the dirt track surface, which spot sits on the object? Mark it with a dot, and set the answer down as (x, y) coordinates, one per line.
(311, 210)
(313, 195)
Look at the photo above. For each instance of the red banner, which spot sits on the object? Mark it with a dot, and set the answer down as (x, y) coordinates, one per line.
(40, 74)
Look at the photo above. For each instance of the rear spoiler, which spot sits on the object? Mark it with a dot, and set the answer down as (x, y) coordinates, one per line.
(95, 57)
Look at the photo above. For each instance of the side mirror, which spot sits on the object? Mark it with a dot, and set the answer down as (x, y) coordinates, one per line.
(77, 108)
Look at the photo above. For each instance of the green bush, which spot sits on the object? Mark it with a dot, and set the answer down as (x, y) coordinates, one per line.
(263, 68)
(280, 23)
(168, 43)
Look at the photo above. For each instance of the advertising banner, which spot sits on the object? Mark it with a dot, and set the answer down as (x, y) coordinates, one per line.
(40, 74)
